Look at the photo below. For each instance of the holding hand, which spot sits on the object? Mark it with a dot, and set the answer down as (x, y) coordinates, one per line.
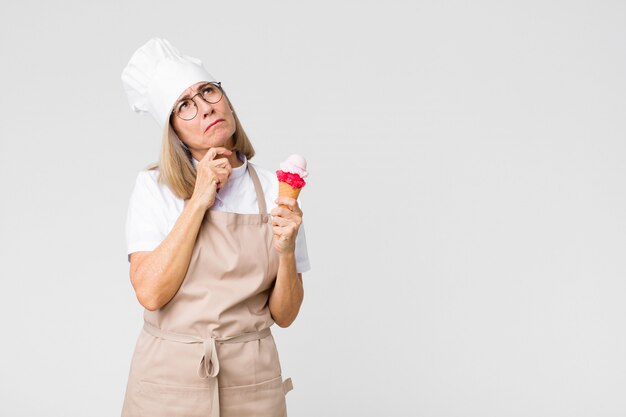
(211, 174)
(286, 221)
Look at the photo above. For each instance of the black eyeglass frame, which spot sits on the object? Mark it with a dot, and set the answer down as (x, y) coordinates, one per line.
(199, 93)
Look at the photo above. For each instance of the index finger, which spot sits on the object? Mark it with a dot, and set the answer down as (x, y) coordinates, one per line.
(213, 152)
(291, 203)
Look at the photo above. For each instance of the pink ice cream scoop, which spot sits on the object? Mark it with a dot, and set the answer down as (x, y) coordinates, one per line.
(291, 176)
(295, 164)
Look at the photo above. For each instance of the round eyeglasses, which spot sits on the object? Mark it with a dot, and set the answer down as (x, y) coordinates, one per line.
(187, 109)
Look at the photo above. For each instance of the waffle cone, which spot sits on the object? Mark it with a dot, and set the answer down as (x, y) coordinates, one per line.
(286, 190)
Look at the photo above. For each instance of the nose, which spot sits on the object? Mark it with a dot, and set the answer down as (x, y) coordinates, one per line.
(204, 107)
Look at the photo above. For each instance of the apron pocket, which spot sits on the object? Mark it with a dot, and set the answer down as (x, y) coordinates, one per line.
(158, 400)
(265, 398)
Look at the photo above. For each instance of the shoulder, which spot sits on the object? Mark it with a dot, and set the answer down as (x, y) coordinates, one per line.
(263, 173)
(148, 178)
(266, 177)
(148, 187)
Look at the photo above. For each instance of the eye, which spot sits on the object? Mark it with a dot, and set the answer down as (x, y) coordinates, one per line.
(183, 105)
(209, 89)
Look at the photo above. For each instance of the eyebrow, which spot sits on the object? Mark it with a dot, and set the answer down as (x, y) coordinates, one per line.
(186, 96)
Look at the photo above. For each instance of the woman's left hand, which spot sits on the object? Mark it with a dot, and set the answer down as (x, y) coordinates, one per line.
(286, 221)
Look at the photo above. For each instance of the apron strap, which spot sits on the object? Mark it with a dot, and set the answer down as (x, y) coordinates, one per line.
(260, 197)
(287, 386)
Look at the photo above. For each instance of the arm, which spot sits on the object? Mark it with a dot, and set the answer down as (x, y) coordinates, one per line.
(156, 276)
(288, 292)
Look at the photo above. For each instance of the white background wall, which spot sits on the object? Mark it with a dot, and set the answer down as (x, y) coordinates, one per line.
(465, 211)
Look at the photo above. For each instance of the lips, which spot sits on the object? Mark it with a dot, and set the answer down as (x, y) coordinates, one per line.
(213, 124)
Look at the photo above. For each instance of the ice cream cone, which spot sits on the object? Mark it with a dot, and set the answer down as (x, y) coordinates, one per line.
(286, 190)
(291, 176)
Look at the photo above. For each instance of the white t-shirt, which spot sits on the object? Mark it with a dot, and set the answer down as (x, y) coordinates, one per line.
(154, 209)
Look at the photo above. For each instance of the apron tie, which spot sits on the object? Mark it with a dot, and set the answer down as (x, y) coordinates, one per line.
(209, 363)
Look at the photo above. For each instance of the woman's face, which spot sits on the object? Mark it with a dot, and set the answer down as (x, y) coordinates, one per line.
(213, 126)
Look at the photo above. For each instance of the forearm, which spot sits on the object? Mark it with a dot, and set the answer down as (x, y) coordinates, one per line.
(160, 275)
(288, 292)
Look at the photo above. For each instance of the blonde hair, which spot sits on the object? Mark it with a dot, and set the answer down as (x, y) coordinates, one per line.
(175, 166)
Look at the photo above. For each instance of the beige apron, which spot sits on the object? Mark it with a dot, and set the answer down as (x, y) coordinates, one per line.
(209, 352)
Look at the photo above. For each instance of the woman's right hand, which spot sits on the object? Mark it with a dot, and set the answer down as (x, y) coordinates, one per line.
(211, 174)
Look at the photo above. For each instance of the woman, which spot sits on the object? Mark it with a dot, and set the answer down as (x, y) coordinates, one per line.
(213, 270)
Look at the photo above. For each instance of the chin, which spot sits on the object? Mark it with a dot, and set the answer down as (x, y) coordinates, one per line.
(221, 139)
(220, 142)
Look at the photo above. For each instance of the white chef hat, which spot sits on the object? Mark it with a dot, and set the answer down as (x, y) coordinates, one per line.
(156, 75)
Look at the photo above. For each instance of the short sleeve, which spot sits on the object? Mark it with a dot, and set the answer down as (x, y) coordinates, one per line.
(148, 219)
(302, 255)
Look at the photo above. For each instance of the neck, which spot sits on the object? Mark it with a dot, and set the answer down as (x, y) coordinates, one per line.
(232, 158)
